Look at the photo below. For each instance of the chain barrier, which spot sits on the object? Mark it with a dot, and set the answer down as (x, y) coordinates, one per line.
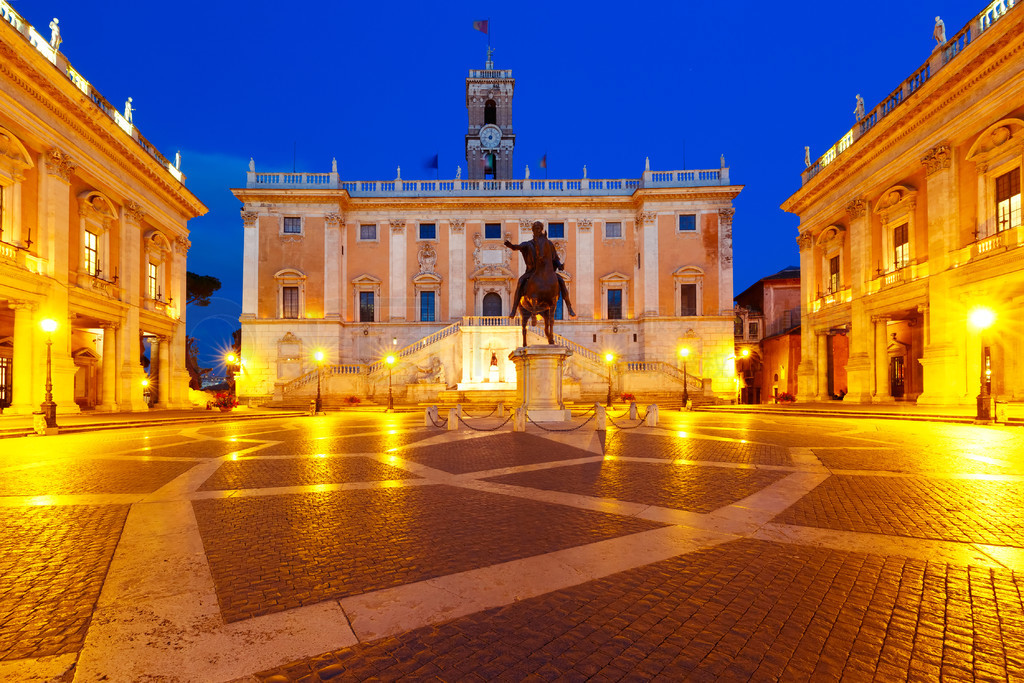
(443, 424)
(572, 429)
(480, 417)
(589, 410)
(639, 424)
(480, 429)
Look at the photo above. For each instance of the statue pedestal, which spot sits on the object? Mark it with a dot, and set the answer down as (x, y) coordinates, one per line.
(539, 381)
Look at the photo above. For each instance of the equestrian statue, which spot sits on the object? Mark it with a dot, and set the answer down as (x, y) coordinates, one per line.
(539, 287)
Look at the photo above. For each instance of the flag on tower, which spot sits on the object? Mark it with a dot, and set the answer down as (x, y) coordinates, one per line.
(544, 161)
(481, 26)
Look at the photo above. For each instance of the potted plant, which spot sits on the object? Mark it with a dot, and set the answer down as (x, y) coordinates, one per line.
(225, 401)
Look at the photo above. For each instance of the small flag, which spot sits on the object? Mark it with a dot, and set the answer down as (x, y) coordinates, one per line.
(544, 161)
(480, 26)
(431, 162)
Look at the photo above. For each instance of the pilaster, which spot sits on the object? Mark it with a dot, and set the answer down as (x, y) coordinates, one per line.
(881, 359)
(250, 264)
(398, 273)
(725, 266)
(584, 276)
(456, 288)
(22, 372)
(108, 402)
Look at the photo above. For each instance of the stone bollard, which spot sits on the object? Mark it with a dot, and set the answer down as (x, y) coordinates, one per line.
(501, 410)
(632, 410)
(430, 416)
(453, 419)
(600, 418)
(519, 419)
(652, 415)
(458, 409)
(312, 406)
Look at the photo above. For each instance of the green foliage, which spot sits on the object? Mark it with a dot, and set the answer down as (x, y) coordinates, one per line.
(199, 288)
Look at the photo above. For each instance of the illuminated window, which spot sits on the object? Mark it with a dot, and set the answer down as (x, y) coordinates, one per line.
(901, 246)
(556, 231)
(833, 274)
(1008, 200)
(492, 231)
(613, 231)
(91, 253)
(290, 302)
(687, 222)
(368, 232)
(151, 281)
(292, 225)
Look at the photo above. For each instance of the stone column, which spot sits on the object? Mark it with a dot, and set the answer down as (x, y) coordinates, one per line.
(161, 348)
(109, 368)
(250, 264)
(584, 276)
(881, 360)
(398, 276)
(24, 383)
(860, 382)
(821, 366)
(332, 266)
(456, 288)
(129, 350)
(725, 270)
(807, 385)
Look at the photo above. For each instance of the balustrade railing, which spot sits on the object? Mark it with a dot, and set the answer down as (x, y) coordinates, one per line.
(912, 84)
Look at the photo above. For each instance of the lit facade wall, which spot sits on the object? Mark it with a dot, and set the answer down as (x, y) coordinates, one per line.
(912, 220)
(94, 236)
(317, 247)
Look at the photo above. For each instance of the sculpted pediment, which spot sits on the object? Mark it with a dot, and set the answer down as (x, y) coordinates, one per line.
(1002, 135)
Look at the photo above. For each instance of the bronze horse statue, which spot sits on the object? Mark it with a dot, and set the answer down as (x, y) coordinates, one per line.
(539, 287)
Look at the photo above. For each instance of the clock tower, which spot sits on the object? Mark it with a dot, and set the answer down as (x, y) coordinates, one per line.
(490, 140)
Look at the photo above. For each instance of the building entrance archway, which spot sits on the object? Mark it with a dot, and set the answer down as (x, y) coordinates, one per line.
(492, 305)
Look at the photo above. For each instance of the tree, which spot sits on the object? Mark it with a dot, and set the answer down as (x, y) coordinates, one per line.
(199, 288)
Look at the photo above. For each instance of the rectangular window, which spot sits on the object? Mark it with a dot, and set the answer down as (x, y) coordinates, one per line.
(91, 253)
(688, 299)
(367, 232)
(289, 302)
(615, 304)
(833, 274)
(558, 307)
(428, 231)
(151, 286)
(292, 225)
(556, 231)
(613, 230)
(737, 327)
(366, 307)
(901, 246)
(427, 307)
(492, 231)
(687, 222)
(1008, 200)
(752, 330)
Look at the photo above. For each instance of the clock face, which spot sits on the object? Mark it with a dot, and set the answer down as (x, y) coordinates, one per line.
(490, 136)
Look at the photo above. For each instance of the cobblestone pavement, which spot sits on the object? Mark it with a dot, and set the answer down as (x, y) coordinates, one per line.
(362, 546)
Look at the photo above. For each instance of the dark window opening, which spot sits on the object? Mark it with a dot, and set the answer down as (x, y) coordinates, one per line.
(492, 304)
(427, 307)
(366, 307)
(492, 231)
(556, 231)
(687, 222)
(490, 113)
(293, 225)
(489, 166)
(367, 232)
(615, 304)
(289, 302)
(688, 299)
(428, 231)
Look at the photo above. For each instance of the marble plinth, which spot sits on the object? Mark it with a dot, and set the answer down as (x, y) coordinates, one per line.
(539, 381)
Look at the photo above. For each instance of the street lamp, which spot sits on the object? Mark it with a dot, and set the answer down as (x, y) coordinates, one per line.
(981, 318)
(230, 363)
(390, 360)
(609, 358)
(145, 392)
(319, 356)
(685, 352)
(49, 407)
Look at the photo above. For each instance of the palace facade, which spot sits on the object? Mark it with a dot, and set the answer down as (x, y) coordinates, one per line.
(910, 226)
(93, 236)
(417, 269)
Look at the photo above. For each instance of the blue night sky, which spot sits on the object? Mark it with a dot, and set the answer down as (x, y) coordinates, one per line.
(382, 84)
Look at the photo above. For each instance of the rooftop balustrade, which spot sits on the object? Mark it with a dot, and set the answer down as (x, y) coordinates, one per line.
(524, 187)
(36, 40)
(949, 51)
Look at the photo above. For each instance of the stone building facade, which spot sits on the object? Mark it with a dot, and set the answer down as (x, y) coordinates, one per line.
(361, 269)
(912, 220)
(92, 235)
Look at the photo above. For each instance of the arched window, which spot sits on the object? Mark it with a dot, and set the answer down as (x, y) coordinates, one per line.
(489, 165)
(490, 113)
(492, 304)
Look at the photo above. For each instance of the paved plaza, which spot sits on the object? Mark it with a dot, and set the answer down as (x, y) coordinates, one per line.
(363, 545)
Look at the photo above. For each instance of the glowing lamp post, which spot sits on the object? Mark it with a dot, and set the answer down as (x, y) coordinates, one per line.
(145, 391)
(685, 353)
(49, 407)
(390, 360)
(319, 356)
(230, 360)
(609, 358)
(981, 318)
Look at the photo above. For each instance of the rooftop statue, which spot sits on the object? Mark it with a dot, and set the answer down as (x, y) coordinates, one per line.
(858, 112)
(128, 109)
(939, 33)
(539, 287)
(55, 39)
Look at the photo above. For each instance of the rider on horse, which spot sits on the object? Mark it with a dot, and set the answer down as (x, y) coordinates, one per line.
(535, 252)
